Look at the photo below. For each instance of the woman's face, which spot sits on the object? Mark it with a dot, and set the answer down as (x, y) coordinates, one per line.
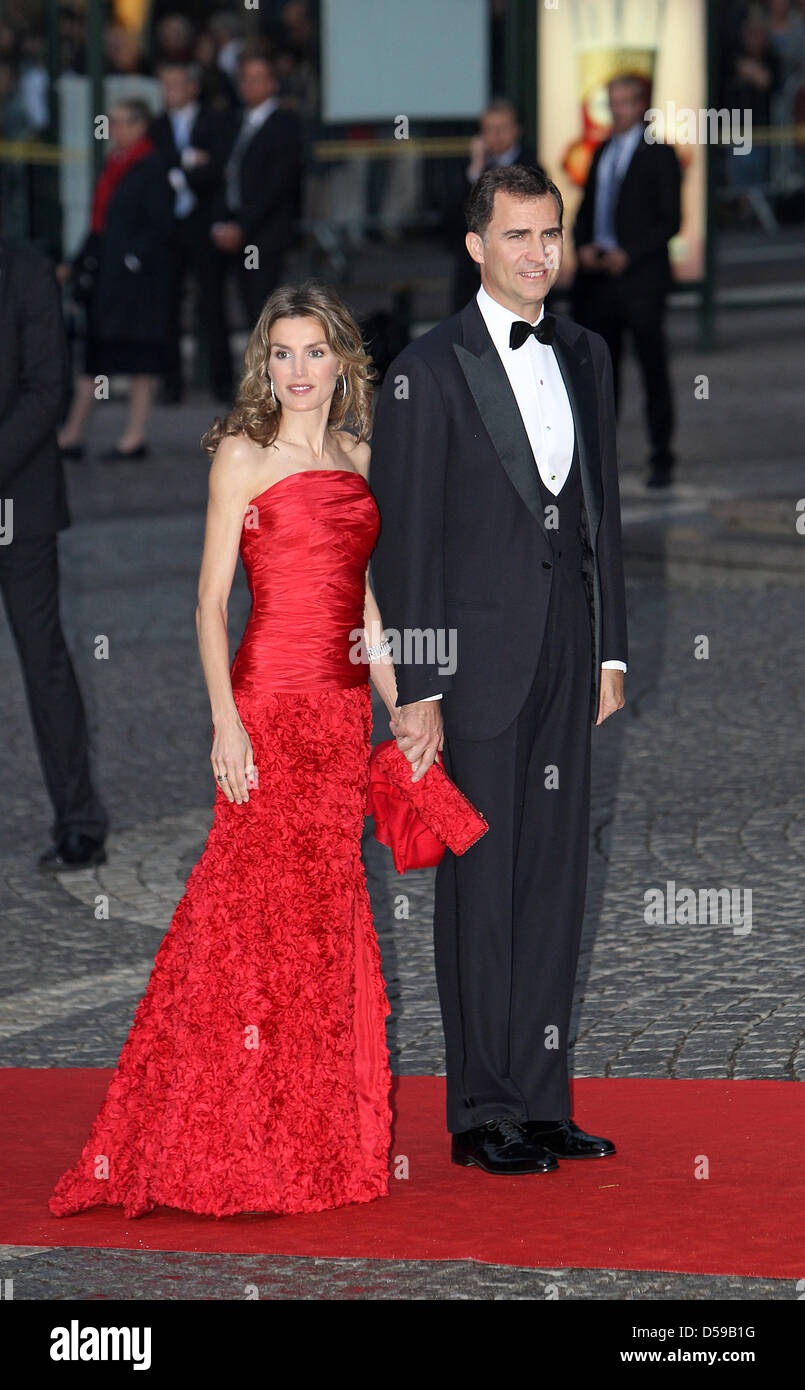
(302, 364)
(123, 131)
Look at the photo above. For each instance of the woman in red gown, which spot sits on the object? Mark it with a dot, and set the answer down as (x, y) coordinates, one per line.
(255, 1076)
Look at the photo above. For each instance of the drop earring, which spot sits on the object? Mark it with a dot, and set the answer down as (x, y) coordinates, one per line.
(271, 384)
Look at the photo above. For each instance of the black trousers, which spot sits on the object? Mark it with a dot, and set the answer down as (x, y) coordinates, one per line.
(508, 913)
(609, 306)
(29, 578)
(257, 283)
(194, 255)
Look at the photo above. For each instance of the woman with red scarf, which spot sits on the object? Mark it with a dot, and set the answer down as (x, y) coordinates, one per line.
(125, 270)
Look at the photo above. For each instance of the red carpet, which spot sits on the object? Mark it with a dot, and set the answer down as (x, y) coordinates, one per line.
(642, 1209)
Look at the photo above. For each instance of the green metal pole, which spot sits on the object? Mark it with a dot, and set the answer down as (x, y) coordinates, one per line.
(528, 80)
(707, 301)
(95, 70)
(51, 173)
(520, 63)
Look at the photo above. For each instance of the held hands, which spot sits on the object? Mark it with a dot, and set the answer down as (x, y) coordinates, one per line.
(592, 257)
(611, 696)
(418, 731)
(589, 256)
(232, 760)
(614, 262)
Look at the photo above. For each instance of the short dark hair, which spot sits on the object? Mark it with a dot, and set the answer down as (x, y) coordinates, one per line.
(641, 86)
(137, 110)
(503, 104)
(192, 71)
(257, 51)
(520, 180)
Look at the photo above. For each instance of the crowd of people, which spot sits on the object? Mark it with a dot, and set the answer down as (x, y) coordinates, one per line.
(193, 192)
(762, 71)
(202, 190)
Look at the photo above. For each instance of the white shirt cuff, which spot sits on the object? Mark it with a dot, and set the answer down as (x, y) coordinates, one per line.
(613, 665)
(431, 697)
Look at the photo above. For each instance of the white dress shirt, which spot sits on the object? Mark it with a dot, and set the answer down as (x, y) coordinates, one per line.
(182, 121)
(542, 400)
(539, 390)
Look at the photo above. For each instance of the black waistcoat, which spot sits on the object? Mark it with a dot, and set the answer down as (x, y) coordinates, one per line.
(564, 520)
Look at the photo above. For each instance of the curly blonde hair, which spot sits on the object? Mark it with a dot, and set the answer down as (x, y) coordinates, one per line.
(255, 413)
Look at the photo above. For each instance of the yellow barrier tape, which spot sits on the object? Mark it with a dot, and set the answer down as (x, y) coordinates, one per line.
(431, 147)
(35, 152)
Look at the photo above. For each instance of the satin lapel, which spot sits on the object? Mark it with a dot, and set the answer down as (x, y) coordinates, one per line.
(576, 367)
(497, 406)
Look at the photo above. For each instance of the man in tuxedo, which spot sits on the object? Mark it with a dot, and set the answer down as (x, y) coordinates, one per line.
(629, 212)
(191, 141)
(34, 378)
(499, 141)
(494, 468)
(262, 183)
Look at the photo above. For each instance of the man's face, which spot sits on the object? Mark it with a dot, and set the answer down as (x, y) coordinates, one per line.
(500, 131)
(626, 105)
(256, 83)
(177, 88)
(521, 252)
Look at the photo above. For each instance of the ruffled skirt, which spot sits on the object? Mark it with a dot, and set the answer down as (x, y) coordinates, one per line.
(255, 1076)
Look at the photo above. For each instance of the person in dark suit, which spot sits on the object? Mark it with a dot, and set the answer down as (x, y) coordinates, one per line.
(191, 140)
(127, 312)
(629, 212)
(499, 142)
(34, 378)
(262, 184)
(494, 469)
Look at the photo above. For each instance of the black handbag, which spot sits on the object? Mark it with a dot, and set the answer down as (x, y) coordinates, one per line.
(85, 269)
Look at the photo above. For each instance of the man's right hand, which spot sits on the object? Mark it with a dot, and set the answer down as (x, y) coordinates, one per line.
(419, 734)
(589, 256)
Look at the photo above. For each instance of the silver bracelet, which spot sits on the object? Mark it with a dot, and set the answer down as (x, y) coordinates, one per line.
(379, 649)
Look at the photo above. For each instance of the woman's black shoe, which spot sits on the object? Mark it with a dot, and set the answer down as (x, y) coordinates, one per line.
(117, 455)
(72, 451)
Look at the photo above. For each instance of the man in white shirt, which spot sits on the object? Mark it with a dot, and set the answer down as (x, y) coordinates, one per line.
(495, 471)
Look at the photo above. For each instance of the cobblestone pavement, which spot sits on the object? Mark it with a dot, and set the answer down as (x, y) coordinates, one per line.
(698, 782)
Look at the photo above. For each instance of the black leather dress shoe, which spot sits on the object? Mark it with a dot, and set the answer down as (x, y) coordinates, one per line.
(564, 1139)
(72, 451)
(73, 851)
(500, 1146)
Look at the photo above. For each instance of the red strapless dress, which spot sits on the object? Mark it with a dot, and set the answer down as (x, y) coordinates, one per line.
(255, 1076)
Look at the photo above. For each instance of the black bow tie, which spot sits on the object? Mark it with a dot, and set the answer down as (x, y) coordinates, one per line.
(543, 331)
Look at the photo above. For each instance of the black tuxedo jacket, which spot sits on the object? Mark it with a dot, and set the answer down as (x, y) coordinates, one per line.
(647, 214)
(271, 181)
(463, 542)
(34, 383)
(210, 133)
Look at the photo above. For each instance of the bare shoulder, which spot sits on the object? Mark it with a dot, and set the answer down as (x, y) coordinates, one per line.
(236, 469)
(358, 453)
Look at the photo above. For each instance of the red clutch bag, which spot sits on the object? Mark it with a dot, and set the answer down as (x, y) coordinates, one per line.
(418, 820)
